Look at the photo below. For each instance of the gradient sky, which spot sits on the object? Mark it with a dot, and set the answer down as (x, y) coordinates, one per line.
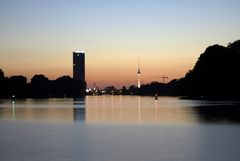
(38, 36)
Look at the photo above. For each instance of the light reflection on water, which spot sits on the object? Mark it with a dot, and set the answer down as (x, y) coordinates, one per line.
(136, 110)
(122, 109)
(119, 128)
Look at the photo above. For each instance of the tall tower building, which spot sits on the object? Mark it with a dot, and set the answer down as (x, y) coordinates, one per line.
(79, 65)
(138, 76)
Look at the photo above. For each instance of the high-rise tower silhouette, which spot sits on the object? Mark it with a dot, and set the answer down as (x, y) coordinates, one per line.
(138, 76)
(79, 65)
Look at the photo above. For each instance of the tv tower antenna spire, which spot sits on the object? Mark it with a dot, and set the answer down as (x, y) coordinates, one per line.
(138, 75)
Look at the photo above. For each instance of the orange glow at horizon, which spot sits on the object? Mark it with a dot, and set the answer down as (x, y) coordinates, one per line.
(105, 68)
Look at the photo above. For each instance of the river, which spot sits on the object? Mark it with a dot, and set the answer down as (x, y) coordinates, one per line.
(119, 128)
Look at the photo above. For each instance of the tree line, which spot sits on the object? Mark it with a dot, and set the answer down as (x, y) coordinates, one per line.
(216, 75)
(40, 87)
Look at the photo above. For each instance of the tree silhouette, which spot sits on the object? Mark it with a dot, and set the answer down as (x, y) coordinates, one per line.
(66, 86)
(17, 86)
(39, 87)
(3, 85)
(1, 74)
(215, 74)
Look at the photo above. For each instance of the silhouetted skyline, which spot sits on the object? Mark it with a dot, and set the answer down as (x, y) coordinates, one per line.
(203, 81)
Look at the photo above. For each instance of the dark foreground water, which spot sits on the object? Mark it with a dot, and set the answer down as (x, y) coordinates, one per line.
(119, 128)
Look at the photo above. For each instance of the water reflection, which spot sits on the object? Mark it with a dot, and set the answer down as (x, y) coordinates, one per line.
(43, 109)
(219, 113)
(79, 109)
(122, 109)
(136, 110)
(13, 110)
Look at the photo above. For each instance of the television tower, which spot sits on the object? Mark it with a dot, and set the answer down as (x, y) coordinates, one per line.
(138, 75)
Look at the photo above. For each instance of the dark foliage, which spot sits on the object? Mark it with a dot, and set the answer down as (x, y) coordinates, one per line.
(153, 88)
(216, 74)
(111, 90)
(12, 87)
(3, 85)
(40, 87)
(17, 86)
(67, 87)
(1, 74)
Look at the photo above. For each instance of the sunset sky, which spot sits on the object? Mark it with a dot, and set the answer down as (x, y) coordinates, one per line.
(38, 36)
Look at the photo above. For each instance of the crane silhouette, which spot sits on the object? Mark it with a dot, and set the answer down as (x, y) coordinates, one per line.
(164, 77)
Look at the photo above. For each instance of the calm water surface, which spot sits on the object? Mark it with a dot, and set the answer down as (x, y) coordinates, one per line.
(119, 128)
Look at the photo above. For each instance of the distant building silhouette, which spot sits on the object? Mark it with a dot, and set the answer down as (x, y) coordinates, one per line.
(79, 65)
